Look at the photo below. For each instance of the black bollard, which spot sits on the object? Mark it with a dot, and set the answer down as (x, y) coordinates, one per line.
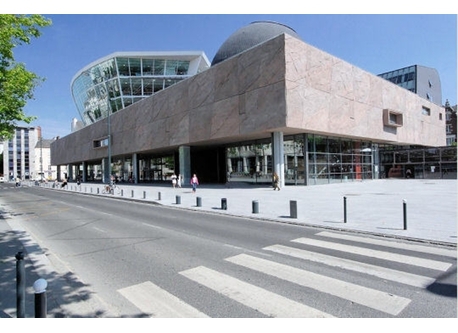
(144, 194)
(345, 209)
(224, 204)
(404, 204)
(178, 199)
(159, 196)
(20, 285)
(293, 209)
(255, 206)
(40, 298)
(199, 202)
(132, 194)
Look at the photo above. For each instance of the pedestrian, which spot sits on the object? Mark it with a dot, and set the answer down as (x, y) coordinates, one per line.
(174, 180)
(18, 182)
(276, 181)
(78, 180)
(179, 180)
(194, 183)
(64, 183)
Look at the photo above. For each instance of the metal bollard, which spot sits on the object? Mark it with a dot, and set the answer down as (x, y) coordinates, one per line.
(224, 204)
(20, 285)
(293, 209)
(345, 209)
(255, 206)
(404, 204)
(178, 200)
(40, 298)
(199, 202)
(122, 192)
(132, 194)
(144, 194)
(98, 190)
(159, 196)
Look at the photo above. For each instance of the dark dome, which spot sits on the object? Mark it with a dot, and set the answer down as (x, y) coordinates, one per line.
(253, 34)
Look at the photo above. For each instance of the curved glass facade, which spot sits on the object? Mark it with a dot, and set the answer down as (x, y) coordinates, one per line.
(118, 81)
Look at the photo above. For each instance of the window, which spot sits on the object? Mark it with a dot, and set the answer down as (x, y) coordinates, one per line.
(392, 118)
(426, 111)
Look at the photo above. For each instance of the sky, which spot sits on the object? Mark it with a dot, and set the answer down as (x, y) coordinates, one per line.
(376, 43)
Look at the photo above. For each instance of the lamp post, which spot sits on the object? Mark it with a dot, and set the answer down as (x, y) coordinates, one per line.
(41, 158)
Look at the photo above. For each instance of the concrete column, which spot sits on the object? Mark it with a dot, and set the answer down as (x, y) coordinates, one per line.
(69, 172)
(278, 161)
(184, 153)
(106, 171)
(84, 172)
(135, 167)
(58, 173)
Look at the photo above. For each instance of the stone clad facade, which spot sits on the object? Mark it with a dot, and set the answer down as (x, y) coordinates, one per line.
(280, 86)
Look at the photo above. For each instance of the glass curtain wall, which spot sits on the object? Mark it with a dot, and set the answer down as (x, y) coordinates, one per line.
(251, 162)
(323, 160)
(119, 82)
(154, 168)
(420, 163)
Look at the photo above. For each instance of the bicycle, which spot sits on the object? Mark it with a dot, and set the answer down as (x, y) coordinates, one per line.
(111, 188)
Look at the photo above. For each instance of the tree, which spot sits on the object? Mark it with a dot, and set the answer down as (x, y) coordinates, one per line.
(16, 83)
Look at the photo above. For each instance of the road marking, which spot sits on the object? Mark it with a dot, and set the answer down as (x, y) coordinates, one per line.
(372, 298)
(433, 264)
(392, 244)
(381, 272)
(266, 302)
(158, 303)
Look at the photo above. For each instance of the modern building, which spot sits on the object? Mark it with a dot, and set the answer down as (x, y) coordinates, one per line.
(19, 153)
(420, 80)
(120, 79)
(269, 103)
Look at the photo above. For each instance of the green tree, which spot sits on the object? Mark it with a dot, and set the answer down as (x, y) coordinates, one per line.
(16, 83)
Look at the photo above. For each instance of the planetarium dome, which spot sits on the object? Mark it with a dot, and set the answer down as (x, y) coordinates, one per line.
(246, 37)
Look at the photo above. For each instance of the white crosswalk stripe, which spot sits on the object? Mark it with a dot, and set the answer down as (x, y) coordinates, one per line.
(264, 301)
(396, 257)
(372, 298)
(356, 266)
(391, 244)
(155, 301)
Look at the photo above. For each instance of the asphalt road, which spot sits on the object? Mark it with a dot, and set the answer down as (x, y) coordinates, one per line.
(145, 260)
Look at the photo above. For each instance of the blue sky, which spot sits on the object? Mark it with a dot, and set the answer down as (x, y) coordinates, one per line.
(375, 43)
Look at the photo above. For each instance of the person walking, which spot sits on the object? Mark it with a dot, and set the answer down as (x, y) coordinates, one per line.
(194, 183)
(174, 180)
(179, 179)
(276, 181)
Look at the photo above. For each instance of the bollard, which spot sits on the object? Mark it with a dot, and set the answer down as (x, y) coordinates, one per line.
(255, 206)
(178, 199)
(40, 298)
(122, 193)
(98, 190)
(144, 194)
(224, 204)
(404, 204)
(293, 209)
(159, 196)
(199, 202)
(132, 194)
(345, 209)
(20, 285)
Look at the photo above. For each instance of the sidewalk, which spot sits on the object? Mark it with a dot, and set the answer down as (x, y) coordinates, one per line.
(372, 207)
(375, 207)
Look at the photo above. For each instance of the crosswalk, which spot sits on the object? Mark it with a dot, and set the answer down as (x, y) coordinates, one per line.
(157, 302)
